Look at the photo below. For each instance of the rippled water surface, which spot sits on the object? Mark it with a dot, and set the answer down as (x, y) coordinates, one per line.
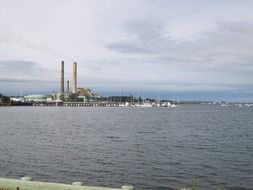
(151, 148)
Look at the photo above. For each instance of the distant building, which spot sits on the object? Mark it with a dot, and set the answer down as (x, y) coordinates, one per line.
(84, 98)
(49, 99)
(84, 92)
(56, 96)
(87, 95)
(35, 98)
(14, 99)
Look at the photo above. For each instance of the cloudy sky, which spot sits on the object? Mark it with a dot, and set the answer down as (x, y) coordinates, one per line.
(194, 49)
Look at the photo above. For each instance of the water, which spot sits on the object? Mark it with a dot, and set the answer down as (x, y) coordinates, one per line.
(151, 148)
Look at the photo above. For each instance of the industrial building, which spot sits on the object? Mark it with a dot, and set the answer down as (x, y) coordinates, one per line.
(35, 98)
(77, 94)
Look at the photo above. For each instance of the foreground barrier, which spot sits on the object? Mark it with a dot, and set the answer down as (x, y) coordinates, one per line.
(26, 183)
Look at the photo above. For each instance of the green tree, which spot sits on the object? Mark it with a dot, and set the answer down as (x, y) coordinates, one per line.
(5, 99)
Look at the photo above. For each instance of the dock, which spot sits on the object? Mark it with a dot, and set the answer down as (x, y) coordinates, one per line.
(68, 104)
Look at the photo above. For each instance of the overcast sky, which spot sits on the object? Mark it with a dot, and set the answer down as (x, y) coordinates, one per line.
(195, 49)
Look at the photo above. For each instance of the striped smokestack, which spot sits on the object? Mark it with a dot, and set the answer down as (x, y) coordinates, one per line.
(74, 84)
(62, 77)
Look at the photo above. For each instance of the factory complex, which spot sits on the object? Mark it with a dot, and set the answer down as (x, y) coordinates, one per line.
(79, 96)
(76, 94)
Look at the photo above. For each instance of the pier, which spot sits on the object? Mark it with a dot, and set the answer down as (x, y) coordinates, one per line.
(90, 104)
(26, 183)
(68, 104)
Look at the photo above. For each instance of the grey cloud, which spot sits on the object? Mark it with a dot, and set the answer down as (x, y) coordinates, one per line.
(150, 38)
(24, 42)
(26, 73)
(222, 49)
(145, 37)
(20, 67)
(237, 28)
(172, 86)
(218, 60)
(19, 76)
(126, 47)
(26, 81)
(143, 30)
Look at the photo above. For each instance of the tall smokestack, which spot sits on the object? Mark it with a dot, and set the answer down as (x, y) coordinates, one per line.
(68, 86)
(62, 77)
(74, 84)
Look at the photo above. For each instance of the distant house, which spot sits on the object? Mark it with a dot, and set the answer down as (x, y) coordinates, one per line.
(1, 100)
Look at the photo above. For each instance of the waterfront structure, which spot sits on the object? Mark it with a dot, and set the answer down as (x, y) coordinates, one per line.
(56, 96)
(17, 99)
(74, 82)
(77, 94)
(84, 92)
(49, 99)
(35, 98)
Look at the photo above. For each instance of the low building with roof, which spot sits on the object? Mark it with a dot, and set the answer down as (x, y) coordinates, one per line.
(35, 98)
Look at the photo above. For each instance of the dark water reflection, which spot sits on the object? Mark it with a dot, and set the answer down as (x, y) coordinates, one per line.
(151, 148)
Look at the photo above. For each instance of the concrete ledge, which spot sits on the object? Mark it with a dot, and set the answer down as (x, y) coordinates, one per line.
(27, 184)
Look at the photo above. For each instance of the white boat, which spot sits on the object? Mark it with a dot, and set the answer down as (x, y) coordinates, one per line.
(164, 104)
(173, 105)
(240, 105)
(146, 105)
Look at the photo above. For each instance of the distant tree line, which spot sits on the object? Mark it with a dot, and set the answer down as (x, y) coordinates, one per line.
(4, 99)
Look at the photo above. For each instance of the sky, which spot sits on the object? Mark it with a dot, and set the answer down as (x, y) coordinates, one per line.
(191, 49)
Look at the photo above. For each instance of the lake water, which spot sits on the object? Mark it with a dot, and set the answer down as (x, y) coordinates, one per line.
(150, 148)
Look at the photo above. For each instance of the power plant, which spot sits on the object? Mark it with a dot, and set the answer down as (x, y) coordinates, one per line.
(76, 93)
(83, 96)
(74, 79)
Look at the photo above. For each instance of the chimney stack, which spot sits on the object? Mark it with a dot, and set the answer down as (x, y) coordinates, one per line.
(68, 86)
(74, 84)
(62, 77)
